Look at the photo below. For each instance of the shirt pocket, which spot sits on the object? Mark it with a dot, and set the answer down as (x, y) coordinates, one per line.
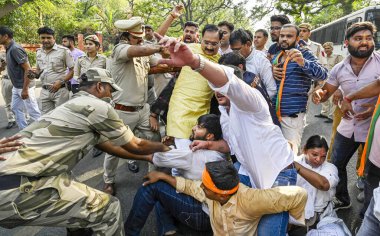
(57, 65)
(41, 63)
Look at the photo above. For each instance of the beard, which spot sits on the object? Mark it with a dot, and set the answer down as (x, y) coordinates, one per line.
(355, 52)
(293, 45)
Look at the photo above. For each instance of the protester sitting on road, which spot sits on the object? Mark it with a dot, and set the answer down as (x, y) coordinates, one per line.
(189, 165)
(319, 178)
(36, 187)
(219, 190)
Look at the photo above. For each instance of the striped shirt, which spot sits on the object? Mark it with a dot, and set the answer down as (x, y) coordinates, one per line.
(297, 83)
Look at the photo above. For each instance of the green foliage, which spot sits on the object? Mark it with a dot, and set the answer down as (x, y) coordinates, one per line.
(32, 58)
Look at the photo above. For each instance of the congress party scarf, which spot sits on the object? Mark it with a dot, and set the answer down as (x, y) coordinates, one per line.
(369, 140)
(281, 88)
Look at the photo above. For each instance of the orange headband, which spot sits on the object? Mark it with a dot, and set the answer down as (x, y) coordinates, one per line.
(207, 181)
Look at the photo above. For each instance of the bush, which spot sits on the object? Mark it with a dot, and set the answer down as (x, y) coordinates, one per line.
(32, 58)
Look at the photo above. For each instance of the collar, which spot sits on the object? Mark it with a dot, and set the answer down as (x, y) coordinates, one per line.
(55, 47)
(97, 54)
(348, 59)
(252, 54)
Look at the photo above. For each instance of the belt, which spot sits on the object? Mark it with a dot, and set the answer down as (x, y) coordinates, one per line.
(12, 181)
(127, 108)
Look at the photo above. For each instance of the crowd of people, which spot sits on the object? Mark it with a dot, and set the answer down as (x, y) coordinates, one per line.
(218, 117)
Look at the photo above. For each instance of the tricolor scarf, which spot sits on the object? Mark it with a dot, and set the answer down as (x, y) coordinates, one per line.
(369, 140)
(281, 88)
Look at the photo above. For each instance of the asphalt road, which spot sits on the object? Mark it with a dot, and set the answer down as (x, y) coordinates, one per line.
(90, 170)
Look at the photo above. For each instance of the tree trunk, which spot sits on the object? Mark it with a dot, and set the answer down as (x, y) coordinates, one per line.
(8, 7)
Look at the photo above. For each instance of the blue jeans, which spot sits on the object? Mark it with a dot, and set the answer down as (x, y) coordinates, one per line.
(184, 208)
(19, 105)
(342, 151)
(274, 224)
(370, 225)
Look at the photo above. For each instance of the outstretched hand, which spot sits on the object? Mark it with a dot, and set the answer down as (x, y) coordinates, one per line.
(180, 54)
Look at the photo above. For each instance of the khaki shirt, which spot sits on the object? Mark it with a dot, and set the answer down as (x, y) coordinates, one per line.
(333, 60)
(131, 74)
(243, 211)
(317, 51)
(83, 63)
(54, 63)
(55, 143)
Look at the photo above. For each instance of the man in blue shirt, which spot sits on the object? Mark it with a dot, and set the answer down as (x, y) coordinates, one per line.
(301, 67)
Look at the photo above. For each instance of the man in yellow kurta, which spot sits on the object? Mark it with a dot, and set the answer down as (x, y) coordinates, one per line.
(192, 95)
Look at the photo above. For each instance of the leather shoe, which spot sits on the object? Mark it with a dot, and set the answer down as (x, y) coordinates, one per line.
(321, 116)
(133, 166)
(109, 188)
(329, 121)
(11, 124)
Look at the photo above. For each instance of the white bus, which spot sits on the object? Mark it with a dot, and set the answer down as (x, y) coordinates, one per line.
(334, 31)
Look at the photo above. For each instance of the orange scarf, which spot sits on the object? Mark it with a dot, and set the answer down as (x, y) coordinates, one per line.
(208, 183)
(369, 140)
(281, 88)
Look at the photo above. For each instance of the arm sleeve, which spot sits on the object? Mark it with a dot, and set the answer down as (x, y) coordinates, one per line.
(121, 53)
(312, 68)
(77, 69)
(69, 59)
(267, 77)
(175, 158)
(19, 55)
(268, 201)
(191, 188)
(242, 95)
(330, 172)
(106, 122)
(333, 80)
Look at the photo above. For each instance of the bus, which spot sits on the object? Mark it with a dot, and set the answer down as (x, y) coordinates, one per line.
(334, 31)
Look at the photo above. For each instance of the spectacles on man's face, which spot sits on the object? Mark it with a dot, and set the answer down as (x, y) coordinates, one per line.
(275, 28)
(213, 44)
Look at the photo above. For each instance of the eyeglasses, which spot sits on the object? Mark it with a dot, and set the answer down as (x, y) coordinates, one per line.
(213, 44)
(275, 28)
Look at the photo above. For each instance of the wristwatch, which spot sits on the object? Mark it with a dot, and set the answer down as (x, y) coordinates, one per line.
(63, 82)
(202, 63)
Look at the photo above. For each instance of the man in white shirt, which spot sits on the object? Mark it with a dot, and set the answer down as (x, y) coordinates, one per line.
(256, 61)
(260, 40)
(165, 199)
(226, 28)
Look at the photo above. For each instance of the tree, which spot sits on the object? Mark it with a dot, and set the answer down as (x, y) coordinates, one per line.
(9, 5)
(201, 11)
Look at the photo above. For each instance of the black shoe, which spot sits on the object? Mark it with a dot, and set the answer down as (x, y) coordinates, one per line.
(133, 166)
(328, 121)
(338, 204)
(321, 116)
(11, 124)
(96, 152)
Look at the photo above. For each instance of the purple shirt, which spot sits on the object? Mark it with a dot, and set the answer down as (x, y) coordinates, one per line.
(75, 54)
(343, 76)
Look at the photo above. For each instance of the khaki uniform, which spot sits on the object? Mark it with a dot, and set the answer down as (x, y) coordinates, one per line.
(318, 52)
(53, 145)
(328, 107)
(83, 63)
(131, 74)
(6, 91)
(54, 65)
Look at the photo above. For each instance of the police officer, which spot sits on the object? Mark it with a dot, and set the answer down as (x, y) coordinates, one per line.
(316, 48)
(92, 58)
(6, 91)
(53, 60)
(130, 64)
(36, 188)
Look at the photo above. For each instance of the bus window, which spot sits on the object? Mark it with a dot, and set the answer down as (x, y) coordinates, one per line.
(374, 17)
